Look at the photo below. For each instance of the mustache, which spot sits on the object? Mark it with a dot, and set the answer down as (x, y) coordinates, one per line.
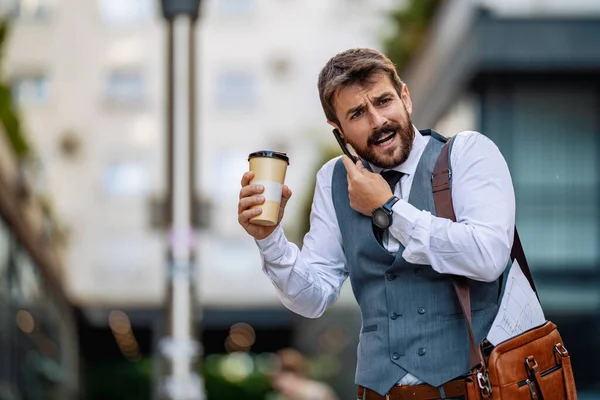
(383, 132)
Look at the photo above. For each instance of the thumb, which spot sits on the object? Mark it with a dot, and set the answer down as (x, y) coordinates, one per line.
(351, 168)
(360, 165)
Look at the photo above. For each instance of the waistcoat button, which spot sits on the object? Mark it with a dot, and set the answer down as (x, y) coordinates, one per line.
(417, 271)
(395, 356)
(394, 315)
(422, 351)
(390, 277)
(421, 310)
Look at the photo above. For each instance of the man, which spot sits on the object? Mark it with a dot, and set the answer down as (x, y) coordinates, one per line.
(414, 337)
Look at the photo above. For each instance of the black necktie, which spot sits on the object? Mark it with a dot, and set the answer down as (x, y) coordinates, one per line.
(392, 178)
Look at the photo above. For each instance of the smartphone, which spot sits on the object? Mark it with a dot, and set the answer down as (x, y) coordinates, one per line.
(346, 147)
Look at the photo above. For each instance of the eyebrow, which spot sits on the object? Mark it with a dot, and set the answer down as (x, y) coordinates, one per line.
(355, 109)
(362, 105)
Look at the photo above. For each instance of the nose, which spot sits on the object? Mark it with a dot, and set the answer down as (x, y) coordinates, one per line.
(376, 118)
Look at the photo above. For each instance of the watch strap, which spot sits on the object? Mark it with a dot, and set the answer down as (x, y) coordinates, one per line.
(387, 206)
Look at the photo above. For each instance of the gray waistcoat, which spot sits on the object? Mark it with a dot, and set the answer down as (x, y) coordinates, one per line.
(411, 318)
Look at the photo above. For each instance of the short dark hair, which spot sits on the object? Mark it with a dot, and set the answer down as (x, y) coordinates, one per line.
(353, 66)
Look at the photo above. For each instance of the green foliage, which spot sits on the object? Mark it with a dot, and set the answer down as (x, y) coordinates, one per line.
(411, 23)
(252, 384)
(10, 121)
(254, 387)
(119, 380)
(9, 117)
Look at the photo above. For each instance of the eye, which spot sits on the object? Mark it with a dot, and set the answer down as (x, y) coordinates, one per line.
(357, 114)
(385, 101)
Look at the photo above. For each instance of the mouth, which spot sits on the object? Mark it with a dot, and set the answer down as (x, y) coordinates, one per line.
(387, 140)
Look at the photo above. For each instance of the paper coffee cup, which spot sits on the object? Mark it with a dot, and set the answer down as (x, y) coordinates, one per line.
(269, 169)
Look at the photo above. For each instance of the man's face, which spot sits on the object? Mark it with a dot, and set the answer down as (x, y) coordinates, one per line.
(375, 120)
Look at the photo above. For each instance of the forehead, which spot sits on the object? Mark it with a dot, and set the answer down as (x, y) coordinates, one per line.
(355, 94)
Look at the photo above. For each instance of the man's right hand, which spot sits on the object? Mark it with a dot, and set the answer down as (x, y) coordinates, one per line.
(250, 195)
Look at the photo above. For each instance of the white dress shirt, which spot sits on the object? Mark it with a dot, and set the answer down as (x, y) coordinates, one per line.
(476, 246)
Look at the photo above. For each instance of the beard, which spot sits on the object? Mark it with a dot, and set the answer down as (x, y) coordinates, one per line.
(394, 156)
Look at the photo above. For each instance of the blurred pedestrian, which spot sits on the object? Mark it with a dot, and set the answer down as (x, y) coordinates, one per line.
(292, 382)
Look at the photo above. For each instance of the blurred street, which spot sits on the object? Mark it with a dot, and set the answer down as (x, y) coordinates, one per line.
(106, 201)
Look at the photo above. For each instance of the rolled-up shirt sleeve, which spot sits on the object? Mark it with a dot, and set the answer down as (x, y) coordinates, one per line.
(478, 244)
(308, 281)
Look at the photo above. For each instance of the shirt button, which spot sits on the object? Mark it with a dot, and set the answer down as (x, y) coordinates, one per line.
(421, 310)
(394, 315)
(396, 356)
(422, 351)
(417, 271)
(390, 277)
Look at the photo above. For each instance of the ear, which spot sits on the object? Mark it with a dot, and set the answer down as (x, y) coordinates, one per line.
(405, 96)
(336, 126)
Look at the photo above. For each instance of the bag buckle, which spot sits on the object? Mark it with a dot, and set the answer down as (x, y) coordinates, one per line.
(484, 384)
(561, 350)
(531, 363)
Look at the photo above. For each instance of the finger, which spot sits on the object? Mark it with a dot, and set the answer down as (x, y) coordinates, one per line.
(286, 193)
(248, 202)
(246, 178)
(351, 169)
(244, 217)
(251, 190)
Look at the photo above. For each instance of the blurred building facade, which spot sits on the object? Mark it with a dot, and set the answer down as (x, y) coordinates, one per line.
(87, 77)
(90, 80)
(527, 75)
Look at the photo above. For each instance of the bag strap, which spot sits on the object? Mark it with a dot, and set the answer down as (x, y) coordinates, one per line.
(442, 197)
(517, 253)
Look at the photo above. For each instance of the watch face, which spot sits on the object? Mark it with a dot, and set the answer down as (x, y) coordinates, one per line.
(381, 219)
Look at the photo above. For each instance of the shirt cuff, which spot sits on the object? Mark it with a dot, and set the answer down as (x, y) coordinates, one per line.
(405, 217)
(273, 246)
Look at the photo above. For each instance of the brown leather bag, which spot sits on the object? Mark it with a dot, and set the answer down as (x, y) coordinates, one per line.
(532, 365)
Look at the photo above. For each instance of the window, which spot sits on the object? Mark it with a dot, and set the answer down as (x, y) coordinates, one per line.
(557, 189)
(125, 12)
(125, 87)
(32, 9)
(548, 134)
(236, 6)
(127, 179)
(30, 90)
(236, 90)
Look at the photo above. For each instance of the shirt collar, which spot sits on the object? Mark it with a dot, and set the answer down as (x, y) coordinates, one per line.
(409, 166)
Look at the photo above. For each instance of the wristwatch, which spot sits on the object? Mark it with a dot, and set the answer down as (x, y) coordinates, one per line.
(382, 216)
